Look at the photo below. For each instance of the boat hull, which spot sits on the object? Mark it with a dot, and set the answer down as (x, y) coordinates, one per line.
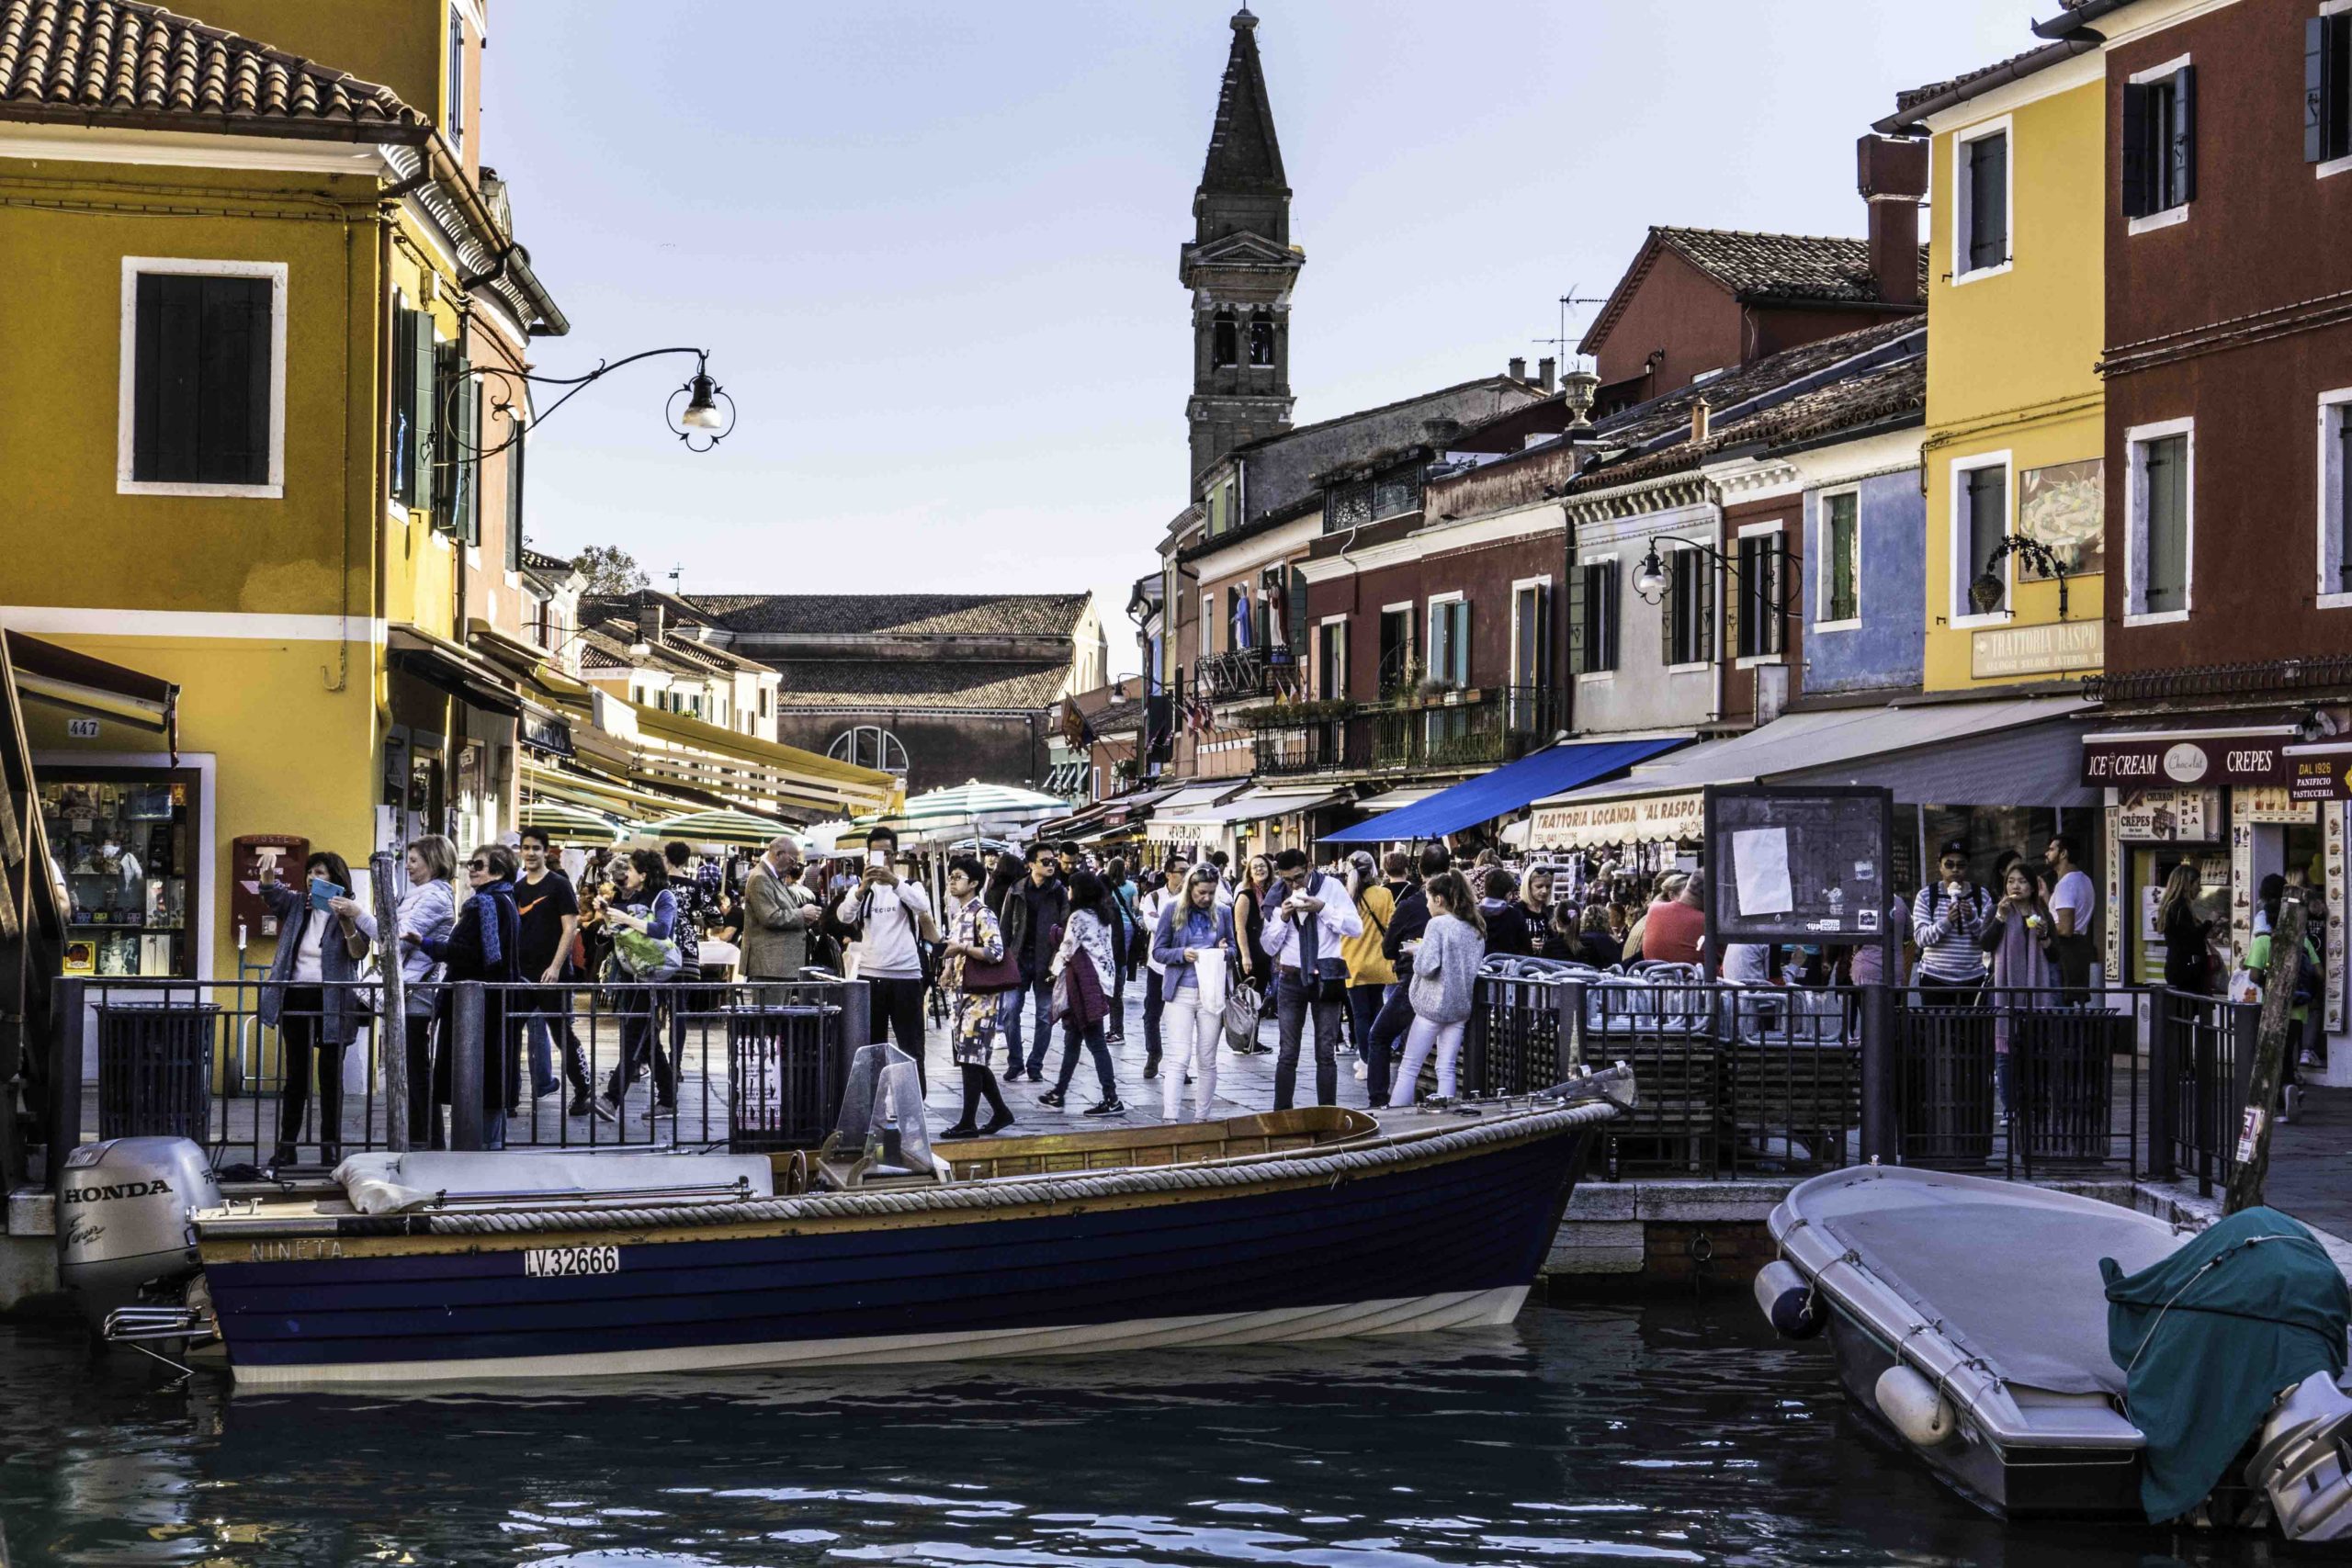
(2037, 1481)
(1420, 1242)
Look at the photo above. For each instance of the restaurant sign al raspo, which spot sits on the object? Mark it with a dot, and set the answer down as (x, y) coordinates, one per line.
(2178, 758)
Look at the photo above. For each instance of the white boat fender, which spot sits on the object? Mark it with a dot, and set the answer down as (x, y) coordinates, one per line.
(1913, 1407)
(1788, 1301)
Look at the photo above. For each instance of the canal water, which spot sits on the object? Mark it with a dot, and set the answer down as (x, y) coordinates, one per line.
(1670, 1432)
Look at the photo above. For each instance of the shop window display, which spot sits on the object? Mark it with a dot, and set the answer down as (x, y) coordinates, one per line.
(123, 851)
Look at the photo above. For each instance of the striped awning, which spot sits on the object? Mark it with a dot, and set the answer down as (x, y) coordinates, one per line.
(568, 824)
(719, 828)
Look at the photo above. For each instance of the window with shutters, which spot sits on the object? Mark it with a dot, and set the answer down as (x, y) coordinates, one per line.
(1689, 623)
(1331, 660)
(1450, 640)
(1593, 610)
(455, 127)
(202, 404)
(2160, 523)
(1763, 568)
(1839, 591)
(515, 500)
(2327, 92)
(1396, 651)
(1980, 503)
(1981, 201)
(2335, 499)
(450, 449)
(2160, 145)
(1531, 633)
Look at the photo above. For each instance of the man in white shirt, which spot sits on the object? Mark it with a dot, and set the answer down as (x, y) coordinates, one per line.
(889, 910)
(1149, 908)
(2073, 905)
(1306, 936)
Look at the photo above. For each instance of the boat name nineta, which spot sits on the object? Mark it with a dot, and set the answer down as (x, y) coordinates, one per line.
(302, 1250)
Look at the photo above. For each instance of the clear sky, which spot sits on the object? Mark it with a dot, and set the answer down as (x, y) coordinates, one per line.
(932, 243)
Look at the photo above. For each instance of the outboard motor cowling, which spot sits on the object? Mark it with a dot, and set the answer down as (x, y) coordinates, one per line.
(124, 1210)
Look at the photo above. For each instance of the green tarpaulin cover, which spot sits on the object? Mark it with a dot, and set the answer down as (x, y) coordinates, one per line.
(2209, 1336)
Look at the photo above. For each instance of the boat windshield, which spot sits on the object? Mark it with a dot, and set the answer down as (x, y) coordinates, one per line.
(882, 1111)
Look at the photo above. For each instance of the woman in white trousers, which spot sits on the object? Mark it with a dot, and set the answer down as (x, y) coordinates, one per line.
(1445, 977)
(1193, 945)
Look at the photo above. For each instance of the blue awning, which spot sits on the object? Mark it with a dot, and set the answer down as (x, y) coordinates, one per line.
(1506, 789)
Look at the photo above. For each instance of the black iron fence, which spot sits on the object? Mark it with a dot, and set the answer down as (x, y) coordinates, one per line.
(1495, 724)
(1736, 1081)
(300, 1076)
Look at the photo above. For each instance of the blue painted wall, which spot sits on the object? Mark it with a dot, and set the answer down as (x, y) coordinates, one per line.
(1886, 651)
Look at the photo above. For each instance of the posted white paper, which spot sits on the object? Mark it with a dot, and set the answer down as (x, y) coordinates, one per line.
(1761, 855)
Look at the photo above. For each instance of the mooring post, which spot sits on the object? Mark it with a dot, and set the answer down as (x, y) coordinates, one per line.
(1881, 1141)
(468, 1011)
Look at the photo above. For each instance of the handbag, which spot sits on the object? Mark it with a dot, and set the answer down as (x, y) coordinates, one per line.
(1242, 1010)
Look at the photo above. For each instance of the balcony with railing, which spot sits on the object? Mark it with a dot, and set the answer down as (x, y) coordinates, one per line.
(1247, 673)
(1480, 727)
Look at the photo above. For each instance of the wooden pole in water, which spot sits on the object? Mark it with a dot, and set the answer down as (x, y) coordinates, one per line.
(2270, 1045)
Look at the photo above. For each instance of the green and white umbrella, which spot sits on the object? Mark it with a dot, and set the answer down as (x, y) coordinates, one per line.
(973, 807)
(717, 827)
(571, 823)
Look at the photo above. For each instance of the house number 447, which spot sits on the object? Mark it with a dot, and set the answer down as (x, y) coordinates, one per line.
(82, 728)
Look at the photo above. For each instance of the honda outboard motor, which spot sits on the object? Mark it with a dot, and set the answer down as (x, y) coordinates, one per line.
(124, 1219)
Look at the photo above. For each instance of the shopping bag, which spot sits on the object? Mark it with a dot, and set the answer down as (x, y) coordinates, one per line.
(1208, 974)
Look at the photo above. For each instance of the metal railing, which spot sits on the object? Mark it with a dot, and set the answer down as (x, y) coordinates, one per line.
(1495, 725)
(248, 1071)
(1247, 673)
(1736, 1080)
(2201, 1063)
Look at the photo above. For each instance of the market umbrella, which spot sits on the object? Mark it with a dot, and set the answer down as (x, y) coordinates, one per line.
(718, 827)
(569, 823)
(974, 806)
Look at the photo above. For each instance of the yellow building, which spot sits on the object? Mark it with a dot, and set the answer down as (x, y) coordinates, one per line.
(2015, 325)
(256, 267)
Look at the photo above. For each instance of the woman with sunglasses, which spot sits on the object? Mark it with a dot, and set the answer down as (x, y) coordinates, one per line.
(312, 997)
(1260, 893)
(429, 909)
(485, 945)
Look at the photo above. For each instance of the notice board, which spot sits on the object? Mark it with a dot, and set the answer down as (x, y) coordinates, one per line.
(1789, 863)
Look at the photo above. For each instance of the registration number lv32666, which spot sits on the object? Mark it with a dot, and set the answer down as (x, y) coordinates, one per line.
(570, 1263)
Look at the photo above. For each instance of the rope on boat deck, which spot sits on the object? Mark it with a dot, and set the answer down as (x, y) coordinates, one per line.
(1060, 1188)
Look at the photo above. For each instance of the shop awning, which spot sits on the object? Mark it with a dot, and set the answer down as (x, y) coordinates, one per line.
(618, 798)
(2007, 751)
(1255, 805)
(673, 747)
(1506, 789)
(65, 678)
(1396, 799)
(2207, 749)
(453, 668)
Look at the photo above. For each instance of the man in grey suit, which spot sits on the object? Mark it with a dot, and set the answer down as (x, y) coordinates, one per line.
(777, 915)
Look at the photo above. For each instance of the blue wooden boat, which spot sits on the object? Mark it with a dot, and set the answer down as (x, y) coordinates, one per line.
(1300, 1225)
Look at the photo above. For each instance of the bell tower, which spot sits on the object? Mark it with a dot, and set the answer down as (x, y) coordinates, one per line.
(1239, 265)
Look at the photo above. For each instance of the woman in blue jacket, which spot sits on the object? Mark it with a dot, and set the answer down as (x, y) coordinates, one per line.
(1192, 1017)
(485, 945)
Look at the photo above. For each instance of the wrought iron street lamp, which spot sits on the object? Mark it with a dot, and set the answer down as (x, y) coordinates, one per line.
(1986, 593)
(1650, 580)
(707, 418)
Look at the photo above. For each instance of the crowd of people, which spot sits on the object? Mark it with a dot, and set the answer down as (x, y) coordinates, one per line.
(1380, 957)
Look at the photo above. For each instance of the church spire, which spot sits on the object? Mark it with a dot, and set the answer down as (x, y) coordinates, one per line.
(1244, 157)
(1239, 267)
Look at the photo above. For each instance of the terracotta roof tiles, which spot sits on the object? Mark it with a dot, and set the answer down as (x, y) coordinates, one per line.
(92, 62)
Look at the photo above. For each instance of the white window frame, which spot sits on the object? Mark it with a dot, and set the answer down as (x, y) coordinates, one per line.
(1961, 271)
(1520, 677)
(1775, 525)
(1209, 622)
(2135, 524)
(126, 394)
(1346, 653)
(2335, 411)
(1960, 615)
(1825, 567)
(2344, 164)
(2178, 211)
(1602, 677)
(1429, 671)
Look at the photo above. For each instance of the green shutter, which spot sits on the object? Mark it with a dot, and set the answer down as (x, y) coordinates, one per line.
(514, 504)
(1704, 642)
(1577, 665)
(424, 387)
(464, 510)
(400, 443)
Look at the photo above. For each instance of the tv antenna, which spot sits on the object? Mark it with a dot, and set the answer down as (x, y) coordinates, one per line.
(1564, 345)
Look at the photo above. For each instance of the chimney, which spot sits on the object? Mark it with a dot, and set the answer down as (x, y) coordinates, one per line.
(1546, 369)
(1518, 368)
(1698, 412)
(649, 618)
(1891, 174)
